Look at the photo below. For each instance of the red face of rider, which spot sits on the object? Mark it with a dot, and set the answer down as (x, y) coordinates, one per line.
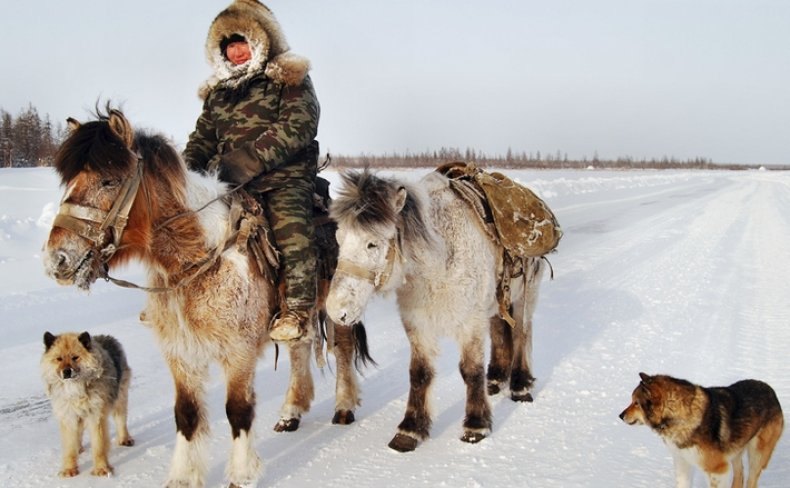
(238, 52)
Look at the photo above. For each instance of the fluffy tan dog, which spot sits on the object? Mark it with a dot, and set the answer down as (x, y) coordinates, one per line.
(87, 378)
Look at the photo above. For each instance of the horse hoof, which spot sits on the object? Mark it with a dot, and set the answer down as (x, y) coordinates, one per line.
(472, 437)
(286, 425)
(343, 417)
(493, 389)
(521, 397)
(403, 443)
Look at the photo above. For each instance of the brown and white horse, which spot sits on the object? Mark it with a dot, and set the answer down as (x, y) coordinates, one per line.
(423, 242)
(129, 196)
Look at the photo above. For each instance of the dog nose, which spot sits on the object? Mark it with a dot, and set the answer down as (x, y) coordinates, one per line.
(622, 415)
(67, 373)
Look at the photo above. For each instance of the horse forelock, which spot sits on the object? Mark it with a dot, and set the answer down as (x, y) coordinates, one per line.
(93, 146)
(367, 202)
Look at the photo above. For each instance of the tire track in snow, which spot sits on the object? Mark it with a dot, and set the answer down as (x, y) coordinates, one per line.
(652, 284)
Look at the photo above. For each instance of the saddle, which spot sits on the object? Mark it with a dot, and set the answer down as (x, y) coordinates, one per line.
(253, 233)
(516, 220)
(523, 223)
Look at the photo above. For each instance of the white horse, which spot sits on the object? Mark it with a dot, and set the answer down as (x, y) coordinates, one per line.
(423, 242)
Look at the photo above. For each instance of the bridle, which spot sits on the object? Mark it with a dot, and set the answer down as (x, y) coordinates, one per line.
(103, 229)
(378, 278)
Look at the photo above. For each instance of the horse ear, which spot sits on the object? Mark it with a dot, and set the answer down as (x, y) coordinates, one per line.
(73, 124)
(121, 127)
(400, 199)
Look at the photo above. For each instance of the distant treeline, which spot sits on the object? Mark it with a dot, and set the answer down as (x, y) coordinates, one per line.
(523, 160)
(27, 140)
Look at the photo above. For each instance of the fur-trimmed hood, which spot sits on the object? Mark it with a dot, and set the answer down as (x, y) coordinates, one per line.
(270, 52)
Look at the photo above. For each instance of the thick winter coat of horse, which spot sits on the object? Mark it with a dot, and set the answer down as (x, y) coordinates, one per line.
(129, 195)
(422, 242)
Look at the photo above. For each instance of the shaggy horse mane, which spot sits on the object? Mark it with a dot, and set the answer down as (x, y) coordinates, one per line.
(366, 201)
(98, 146)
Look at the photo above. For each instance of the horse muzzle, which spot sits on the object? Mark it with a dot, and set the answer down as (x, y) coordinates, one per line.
(70, 268)
(342, 315)
(347, 299)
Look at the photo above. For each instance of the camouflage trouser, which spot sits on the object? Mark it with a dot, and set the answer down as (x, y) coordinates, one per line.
(290, 213)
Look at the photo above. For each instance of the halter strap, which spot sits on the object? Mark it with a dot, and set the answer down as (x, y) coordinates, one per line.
(83, 220)
(378, 278)
(118, 215)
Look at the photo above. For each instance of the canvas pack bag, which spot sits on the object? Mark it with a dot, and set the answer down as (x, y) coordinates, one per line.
(525, 225)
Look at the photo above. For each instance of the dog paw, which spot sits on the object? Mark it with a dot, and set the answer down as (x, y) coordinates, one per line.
(128, 442)
(180, 484)
(105, 471)
(69, 472)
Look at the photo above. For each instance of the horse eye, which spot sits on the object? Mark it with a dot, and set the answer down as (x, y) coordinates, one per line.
(372, 245)
(108, 182)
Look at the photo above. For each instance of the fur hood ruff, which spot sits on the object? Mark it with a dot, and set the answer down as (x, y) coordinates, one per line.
(270, 52)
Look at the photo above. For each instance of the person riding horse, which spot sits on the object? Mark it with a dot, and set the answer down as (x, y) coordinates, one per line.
(258, 128)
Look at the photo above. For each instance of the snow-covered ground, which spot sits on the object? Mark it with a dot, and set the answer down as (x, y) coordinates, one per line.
(676, 272)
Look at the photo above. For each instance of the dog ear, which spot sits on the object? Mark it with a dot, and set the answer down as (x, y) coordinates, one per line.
(49, 339)
(85, 340)
(645, 384)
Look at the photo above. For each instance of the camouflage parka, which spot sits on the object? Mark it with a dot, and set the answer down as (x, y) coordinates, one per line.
(268, 103)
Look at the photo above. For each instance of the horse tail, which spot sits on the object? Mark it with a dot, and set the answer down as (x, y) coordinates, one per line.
(362, 357)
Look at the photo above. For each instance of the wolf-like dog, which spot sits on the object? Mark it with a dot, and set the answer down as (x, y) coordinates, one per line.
(710, 427)
(87, 378)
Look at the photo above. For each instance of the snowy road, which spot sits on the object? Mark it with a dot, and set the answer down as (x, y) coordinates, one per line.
(683, 273)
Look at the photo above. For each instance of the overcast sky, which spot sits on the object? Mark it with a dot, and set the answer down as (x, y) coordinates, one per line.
(640, 78)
